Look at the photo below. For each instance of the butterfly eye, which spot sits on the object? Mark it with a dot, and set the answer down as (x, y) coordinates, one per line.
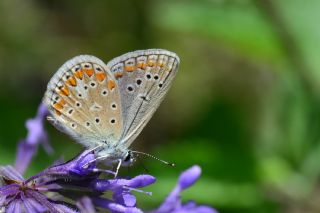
(128, 157)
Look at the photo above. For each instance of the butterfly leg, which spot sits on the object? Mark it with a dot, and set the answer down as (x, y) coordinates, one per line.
(94, 148)
(118, 167)
(91, 150)
(85, 166)
(104, 171)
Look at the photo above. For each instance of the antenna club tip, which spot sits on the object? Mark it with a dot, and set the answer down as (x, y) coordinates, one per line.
(172, 164)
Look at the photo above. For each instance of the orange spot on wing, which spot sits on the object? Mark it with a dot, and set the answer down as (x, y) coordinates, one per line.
(57, 112)
(79, 74)
(89, 72)
(101, 76)
(161, 65)
(111, 84)
(118, 75)
(72, 81)
(62, 102)
(57, 106)
(151, 63)
(142, 65)
(64, 91)
(129, 68)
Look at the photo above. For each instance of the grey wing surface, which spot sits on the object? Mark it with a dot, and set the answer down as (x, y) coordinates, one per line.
(144, 78)
(84, 102)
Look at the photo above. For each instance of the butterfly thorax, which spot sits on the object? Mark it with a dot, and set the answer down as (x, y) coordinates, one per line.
(111, 154)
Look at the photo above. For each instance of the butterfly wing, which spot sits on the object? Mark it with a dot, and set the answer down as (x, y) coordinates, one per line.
(84, 100)
(144, 77)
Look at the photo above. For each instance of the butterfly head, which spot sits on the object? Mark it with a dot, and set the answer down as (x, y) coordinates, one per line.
(112, 155)
(129, 159)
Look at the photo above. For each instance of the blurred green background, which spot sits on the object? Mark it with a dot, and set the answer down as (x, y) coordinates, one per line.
(245, 105)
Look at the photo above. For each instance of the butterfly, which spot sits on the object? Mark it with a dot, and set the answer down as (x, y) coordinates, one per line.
(104, 107)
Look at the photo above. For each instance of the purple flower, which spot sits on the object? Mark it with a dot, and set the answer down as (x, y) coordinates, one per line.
(36, 135)
(20, 195)
(126, 202)
(173, 203)
(77, 186)
(85, 205)
(47, 190)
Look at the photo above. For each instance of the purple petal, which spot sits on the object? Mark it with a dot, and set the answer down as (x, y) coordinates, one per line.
(173, 201)
(42, 111)
(141, 181)
(129, 200)
(101, 185)
(75, 166)
(36, 135)
(2, 200)
(191, 206)
(101, 202)
(84, 163)
(32, 206)
(40, 198)
(189, 177)
(35, 131)
(205, 209)
(85, 205)
(64, 209)
(25, 154)
(42, 114)
(10, 173)
(46, 145)
(14, 207)
(123, 209)
(124, 198)
(8, 190)
(136, 182)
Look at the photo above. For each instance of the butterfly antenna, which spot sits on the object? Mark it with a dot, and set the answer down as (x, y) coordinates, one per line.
(151, 156)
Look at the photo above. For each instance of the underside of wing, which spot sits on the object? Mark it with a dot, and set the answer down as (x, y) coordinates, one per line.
(84, 102)
(144, 77)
